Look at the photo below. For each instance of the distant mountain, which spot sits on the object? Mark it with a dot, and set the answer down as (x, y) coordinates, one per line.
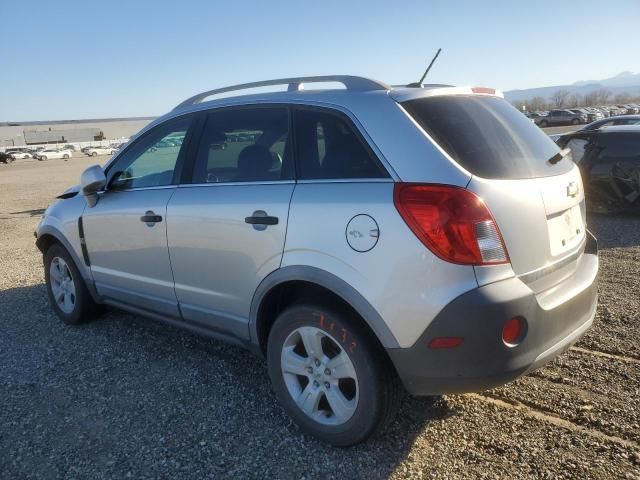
(625, 82)
(624, 79)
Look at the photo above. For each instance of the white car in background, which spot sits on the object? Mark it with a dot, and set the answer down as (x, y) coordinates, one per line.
(49, 153)
(18, 154)
(93, 151)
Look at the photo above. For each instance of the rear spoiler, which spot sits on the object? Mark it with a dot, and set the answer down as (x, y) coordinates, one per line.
(404, 94)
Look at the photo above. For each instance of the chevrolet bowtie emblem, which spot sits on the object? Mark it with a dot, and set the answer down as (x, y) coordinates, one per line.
(572, 189)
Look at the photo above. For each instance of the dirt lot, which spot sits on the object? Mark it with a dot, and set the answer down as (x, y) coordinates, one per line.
(125, 397)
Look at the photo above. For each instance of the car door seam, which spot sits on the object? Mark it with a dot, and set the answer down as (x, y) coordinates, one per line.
(286, 227)
(166, 238)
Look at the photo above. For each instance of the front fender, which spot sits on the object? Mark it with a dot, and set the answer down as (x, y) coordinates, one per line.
(60, 224)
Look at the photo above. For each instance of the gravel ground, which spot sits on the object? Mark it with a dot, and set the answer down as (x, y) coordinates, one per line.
(125, 397)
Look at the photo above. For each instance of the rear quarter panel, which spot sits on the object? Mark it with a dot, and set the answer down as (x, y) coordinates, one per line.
(403, 281)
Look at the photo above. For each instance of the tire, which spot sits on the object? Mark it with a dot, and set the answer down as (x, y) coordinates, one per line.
(93, 154)
(543, 124)
(71, 301)
(65, 156)
(575, 121)
(42, 158)
(367, 403)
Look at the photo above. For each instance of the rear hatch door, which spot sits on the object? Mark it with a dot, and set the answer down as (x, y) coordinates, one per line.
(534, 193)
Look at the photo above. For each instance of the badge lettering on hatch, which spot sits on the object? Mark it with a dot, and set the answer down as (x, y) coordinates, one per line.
(572, 189)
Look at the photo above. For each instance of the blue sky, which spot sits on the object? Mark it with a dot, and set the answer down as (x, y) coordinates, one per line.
(88, 59)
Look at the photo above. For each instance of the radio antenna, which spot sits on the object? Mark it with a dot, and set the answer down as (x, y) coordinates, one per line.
(418, 84)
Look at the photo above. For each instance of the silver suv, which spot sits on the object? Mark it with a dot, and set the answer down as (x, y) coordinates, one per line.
(366, 240)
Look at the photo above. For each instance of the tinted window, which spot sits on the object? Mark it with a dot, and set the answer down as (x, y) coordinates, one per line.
(329, 148)
(244, 145)
(618, 148)
(627, 121)
(487, 136)
(151, 161)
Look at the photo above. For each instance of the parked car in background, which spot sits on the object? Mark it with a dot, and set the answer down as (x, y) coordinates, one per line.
(94, 151)
(50, 153)
(20, 154)
(631, 109)
(444, 249)
(69, 147)
(609, 161)
(535, 116)
(5, 158)
(562, 117)
(611, 121)
(591, 115)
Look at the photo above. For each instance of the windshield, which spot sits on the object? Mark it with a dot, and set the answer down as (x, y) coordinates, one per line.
(487, 136)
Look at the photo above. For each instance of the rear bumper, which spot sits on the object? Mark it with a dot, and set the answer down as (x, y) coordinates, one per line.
(556, 319)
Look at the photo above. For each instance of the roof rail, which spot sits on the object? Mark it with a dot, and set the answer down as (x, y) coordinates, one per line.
(351, 82)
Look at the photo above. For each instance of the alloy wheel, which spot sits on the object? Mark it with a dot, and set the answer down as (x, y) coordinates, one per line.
(62, 285)
(319, 376)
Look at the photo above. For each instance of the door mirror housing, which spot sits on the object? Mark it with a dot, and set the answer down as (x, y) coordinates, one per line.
(92, 181)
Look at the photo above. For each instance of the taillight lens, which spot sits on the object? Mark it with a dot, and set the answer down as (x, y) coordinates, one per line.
(452, 222)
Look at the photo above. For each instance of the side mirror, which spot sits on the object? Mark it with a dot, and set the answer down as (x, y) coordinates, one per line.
(92, 181)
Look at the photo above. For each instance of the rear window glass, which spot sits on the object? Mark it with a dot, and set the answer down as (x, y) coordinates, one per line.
(329, 148)
(487, 136)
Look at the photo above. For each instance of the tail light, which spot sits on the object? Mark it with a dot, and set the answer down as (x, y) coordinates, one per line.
(452, 222)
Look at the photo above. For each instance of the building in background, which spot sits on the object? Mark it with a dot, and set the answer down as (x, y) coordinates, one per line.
(15, 134)
(67, 135)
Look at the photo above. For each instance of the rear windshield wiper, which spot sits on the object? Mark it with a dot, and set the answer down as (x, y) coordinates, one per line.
(559, 156)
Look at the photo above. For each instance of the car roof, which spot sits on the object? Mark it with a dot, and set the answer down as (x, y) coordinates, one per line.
(357, 96)
(295, 93)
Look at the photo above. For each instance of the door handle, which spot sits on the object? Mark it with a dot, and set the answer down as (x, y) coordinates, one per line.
(260, 218)
(150, 218)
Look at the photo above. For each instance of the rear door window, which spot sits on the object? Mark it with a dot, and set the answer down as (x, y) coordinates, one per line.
(329, 147)
(487, 136)
(245, 144)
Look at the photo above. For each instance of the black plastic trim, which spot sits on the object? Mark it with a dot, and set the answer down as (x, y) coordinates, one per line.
(83, 243)
(483, 360)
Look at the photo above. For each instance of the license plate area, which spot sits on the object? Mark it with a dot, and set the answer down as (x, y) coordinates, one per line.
(566, 230)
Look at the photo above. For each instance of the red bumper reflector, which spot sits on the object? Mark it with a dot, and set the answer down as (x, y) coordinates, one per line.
(445, 342)
(513, 331)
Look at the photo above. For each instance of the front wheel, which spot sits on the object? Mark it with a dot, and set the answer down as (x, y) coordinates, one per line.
(330, 375)
(543, 124)
(93, 154)
(67, 291)
(42, 158)
(575, 121)
(65, 156)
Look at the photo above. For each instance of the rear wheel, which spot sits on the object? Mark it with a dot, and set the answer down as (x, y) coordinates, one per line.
(67, 291)
(42, 158)
(65, 156)
(330, 375)
(93, 154)
(575, 121)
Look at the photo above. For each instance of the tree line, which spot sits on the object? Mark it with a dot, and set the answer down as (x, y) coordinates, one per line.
(564, 98)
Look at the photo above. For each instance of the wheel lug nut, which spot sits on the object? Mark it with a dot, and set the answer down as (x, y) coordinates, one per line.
(316, 384)
(327, 371)
(310, 369)
(326, 385)
(317, 362)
